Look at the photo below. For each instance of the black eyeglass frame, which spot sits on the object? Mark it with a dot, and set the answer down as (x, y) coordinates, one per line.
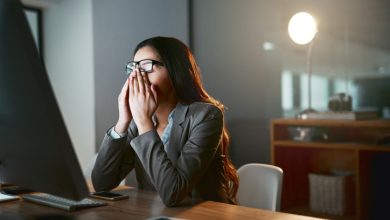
(134, 64)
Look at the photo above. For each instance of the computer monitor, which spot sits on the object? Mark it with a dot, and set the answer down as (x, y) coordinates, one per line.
(35, 148)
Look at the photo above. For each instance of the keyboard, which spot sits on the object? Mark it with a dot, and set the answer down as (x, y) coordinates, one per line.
(62, 203)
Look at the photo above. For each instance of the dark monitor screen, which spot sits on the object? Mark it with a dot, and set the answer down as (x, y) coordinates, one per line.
(373, 92)
(35, 148)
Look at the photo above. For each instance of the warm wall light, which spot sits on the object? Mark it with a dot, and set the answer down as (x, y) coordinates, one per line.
(302, 29)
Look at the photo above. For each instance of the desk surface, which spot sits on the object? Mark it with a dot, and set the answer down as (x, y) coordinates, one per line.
(146, 204)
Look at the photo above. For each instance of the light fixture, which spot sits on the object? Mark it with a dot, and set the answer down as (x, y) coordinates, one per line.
(302, 29)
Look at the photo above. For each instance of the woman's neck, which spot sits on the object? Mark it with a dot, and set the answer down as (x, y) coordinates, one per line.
(163, 111)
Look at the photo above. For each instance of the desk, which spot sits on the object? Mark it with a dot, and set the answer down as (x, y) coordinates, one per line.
(143, 204)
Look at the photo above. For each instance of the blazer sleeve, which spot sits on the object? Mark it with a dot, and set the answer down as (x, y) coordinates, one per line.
(114, 161)
(175, 181)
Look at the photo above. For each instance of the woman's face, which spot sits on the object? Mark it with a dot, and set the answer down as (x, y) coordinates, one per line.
(159, 76)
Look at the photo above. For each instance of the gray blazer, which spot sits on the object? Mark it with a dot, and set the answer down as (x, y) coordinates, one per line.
(191, 166)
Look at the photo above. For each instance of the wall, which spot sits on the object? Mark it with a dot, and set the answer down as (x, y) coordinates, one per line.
(118, 26)
(227, 39)
(68, 51)
(87, 44)
(228, 42)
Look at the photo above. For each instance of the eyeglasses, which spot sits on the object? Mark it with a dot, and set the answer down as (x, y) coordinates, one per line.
(143, 65)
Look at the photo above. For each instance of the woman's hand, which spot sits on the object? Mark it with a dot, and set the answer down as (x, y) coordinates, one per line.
(142, 100)
(125, 115)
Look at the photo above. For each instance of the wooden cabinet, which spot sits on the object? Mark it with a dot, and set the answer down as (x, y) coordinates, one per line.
(339, 145)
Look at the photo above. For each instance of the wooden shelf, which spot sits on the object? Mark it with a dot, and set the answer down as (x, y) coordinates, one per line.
(350, 146)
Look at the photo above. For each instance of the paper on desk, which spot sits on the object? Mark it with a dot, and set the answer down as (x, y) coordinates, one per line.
(4, 197)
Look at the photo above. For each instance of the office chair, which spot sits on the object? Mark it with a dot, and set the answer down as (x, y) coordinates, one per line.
(260, 186)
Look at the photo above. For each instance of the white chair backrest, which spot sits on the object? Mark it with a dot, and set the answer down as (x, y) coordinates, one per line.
(260, 186)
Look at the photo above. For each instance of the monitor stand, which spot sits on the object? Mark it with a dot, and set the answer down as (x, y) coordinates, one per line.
(15, 190)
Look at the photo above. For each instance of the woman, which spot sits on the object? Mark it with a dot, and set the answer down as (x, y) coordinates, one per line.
(169, 130)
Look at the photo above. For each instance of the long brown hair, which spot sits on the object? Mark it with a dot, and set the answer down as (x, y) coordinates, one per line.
(186, 79)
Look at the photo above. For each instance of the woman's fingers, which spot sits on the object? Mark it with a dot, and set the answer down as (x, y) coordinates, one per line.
(131, 86)
(146, 81)
(128, 87)
(140, 86)
(135, 82)
(141, 83)
(125, 115)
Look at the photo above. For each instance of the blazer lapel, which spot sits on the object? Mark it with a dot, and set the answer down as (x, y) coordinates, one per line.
(177, 130)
